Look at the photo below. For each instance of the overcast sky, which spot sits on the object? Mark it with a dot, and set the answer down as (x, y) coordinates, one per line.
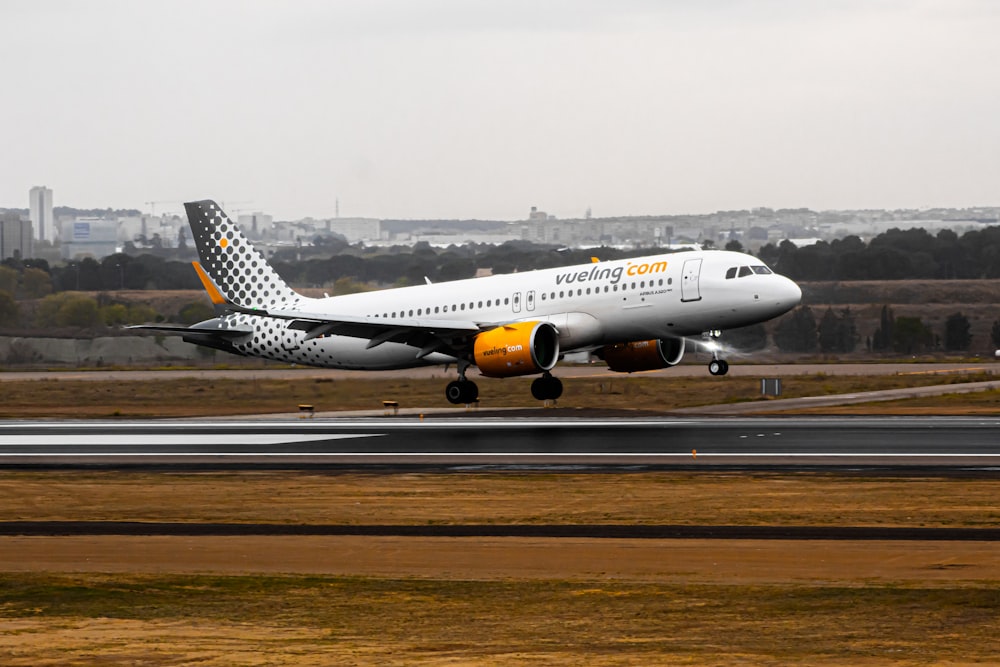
(482, 109)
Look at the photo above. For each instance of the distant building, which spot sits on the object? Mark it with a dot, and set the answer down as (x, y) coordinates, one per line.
(255, 224)
(40, 207)
(356, 229)
(89, 237)
(16, 240)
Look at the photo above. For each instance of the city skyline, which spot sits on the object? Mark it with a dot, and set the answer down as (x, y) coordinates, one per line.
(457, 110)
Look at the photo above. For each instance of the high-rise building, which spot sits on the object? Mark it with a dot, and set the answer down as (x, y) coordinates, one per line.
(40, 205)
(16, 240)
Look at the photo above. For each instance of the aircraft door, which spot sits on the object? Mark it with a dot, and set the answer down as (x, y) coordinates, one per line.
(529, 301)
(516, 302)
(690, 290)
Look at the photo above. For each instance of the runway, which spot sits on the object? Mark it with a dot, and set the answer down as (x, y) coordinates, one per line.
(970, 445)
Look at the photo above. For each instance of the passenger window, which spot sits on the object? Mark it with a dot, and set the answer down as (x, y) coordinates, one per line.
(562, 295)
(745, 271)
(411, 313)
(731, 273)
(506, 301)
(480, 304)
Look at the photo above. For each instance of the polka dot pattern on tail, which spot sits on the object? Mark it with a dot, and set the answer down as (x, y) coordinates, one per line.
(238, 269)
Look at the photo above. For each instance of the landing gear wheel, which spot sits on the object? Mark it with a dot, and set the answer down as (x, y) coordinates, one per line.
(718, 367)
(461, 391)
(546, 388)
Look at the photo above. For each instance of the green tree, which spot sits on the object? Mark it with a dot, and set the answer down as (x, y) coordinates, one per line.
(140, 313)
(194, 312)
(79, 312)
(68, 309)
(114, 314)
(911, 335)
(882, 338)
(37, 283)
(8, 280)
(796, 332)
(956, 332)
(9, 312)
(837, 331)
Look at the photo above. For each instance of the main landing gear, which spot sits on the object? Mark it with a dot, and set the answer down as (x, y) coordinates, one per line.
(547, 388)
(462, 390)
(716, 366)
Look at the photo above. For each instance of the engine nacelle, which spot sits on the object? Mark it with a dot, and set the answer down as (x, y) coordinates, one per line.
(519, 348)
(643, 355)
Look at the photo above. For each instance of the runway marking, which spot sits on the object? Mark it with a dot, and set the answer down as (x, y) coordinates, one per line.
(321, 423)
(124, 440)
(497, 455)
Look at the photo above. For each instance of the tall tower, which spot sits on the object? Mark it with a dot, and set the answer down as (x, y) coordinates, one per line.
(40, 206)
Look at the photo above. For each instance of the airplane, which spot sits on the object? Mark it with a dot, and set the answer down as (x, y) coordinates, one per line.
(636, 314)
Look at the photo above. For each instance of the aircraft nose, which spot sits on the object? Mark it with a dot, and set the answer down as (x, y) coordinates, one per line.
(790, 294)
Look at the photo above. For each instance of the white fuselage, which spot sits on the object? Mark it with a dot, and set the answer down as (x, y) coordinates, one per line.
(661, 296)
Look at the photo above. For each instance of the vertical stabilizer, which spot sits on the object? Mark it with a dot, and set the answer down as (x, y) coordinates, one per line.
(237, 268)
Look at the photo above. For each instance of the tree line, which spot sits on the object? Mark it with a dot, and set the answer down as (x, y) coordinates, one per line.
(894, 255)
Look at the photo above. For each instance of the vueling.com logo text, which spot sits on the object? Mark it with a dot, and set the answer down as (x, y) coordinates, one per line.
(612, 275)
(502, 350)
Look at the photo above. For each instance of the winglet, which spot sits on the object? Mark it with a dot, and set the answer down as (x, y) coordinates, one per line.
(213, 291)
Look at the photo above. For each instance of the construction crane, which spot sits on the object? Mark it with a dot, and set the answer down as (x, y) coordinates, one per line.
(152, 206)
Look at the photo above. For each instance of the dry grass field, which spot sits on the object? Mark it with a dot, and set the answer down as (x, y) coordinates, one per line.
(442, 601)
(58, 398)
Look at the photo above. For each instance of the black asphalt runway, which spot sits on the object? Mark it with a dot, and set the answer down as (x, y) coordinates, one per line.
(578, 531)
(884, 443)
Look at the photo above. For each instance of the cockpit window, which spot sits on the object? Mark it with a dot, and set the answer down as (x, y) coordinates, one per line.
(761, 270)
(745, 271)
(731, 273)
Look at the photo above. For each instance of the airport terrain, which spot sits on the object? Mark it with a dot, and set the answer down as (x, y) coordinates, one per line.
(209, 592)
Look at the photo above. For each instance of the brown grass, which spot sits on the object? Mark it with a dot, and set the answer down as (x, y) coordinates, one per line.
(437, 601)
(177, 398)
(692, 498)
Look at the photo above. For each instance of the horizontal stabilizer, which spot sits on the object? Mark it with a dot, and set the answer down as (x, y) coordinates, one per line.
(225, 334)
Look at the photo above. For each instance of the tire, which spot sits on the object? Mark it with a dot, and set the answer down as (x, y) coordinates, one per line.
(454, 392)
(546, 388)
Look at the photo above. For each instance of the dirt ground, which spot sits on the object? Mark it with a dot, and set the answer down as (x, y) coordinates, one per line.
(740, 562)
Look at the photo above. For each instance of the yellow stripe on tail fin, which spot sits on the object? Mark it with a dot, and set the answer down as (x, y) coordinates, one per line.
(213, 291)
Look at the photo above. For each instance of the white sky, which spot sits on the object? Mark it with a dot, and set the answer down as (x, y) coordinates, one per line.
(481, 109)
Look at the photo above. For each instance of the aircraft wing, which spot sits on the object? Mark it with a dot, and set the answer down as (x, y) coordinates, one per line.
(430, 335)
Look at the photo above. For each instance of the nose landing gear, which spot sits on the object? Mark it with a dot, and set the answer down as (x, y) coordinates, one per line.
(716, 366)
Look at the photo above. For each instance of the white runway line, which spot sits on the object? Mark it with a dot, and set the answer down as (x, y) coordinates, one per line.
(171, 439)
